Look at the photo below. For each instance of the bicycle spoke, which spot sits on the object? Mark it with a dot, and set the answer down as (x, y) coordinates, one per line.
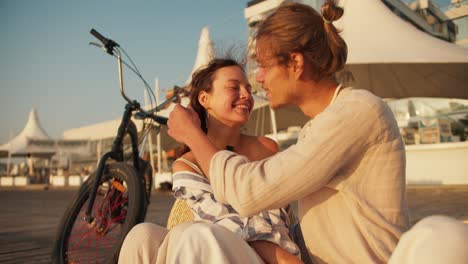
(82, 236)
(115, 205)
(83, 228)
(97, 239)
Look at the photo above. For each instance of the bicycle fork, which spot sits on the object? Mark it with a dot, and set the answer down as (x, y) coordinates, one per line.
(99, 173)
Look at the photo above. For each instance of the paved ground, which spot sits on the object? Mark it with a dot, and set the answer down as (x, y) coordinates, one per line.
(29, 218)
(429, 200)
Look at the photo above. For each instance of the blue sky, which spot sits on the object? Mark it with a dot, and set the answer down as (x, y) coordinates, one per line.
(47, 64)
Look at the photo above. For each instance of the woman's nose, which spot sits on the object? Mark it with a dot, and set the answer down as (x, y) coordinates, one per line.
(245, 93)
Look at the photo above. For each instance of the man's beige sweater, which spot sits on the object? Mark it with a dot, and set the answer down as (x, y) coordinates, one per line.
(347, 172)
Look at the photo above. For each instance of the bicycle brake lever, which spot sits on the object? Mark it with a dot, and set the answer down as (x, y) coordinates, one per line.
(98, 45)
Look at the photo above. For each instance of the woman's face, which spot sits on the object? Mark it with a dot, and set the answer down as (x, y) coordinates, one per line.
(275, 79)
(230, 100)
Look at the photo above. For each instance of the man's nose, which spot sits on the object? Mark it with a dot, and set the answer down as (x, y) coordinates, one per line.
(259, 77)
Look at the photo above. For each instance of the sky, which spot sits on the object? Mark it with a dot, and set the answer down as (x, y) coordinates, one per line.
(47, 64)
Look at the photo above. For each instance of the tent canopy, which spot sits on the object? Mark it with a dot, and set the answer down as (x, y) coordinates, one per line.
(205, 52)
(19, 145)
(393, 59)
(374, 34)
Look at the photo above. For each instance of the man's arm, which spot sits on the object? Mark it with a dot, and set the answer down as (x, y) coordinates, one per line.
(336, 138)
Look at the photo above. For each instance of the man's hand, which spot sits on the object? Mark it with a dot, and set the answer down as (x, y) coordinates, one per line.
(183, 122)
(184, 127)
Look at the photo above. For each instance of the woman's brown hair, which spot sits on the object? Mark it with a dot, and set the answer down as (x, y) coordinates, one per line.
(295, 27)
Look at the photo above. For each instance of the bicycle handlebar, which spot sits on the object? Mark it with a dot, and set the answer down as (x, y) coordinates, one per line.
(159, 119)
(109, 44)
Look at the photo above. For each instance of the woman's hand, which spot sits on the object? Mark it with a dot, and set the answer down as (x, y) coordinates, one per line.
(183, 123)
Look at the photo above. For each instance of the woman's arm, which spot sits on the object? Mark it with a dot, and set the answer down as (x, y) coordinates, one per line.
(187, 182)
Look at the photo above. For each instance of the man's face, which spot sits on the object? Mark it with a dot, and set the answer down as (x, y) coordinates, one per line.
(274, 78)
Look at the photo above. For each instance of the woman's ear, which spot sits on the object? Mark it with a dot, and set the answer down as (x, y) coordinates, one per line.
(203, 98)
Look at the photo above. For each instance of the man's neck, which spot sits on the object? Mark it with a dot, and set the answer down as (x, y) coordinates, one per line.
(317, 97)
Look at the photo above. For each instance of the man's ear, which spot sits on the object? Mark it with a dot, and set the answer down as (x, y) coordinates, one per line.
(203, 98)
(297, 63)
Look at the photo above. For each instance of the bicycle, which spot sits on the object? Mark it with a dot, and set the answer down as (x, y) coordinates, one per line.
(115, 197)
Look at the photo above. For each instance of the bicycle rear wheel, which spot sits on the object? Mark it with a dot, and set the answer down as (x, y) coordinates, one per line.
(116, 210)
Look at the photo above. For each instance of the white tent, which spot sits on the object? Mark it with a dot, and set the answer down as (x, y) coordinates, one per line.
(18, 146)
(205, 51)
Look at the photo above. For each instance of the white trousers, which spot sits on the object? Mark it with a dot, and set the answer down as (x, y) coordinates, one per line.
(193, 242)
(435, 239)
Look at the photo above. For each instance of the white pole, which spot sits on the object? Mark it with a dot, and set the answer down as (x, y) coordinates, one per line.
(150, 140)
(158, 137)
(98, 151)
(9, 155)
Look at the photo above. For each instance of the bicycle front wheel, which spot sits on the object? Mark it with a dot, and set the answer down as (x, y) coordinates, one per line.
(116, 210)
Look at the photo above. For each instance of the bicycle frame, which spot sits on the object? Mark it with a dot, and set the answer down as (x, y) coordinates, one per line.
(116, 153)
(126, 125)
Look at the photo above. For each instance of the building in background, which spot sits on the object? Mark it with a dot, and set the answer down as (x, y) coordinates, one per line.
(427, 16)
(458, 13)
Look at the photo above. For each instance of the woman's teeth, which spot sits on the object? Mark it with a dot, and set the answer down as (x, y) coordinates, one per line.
(241, 106)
